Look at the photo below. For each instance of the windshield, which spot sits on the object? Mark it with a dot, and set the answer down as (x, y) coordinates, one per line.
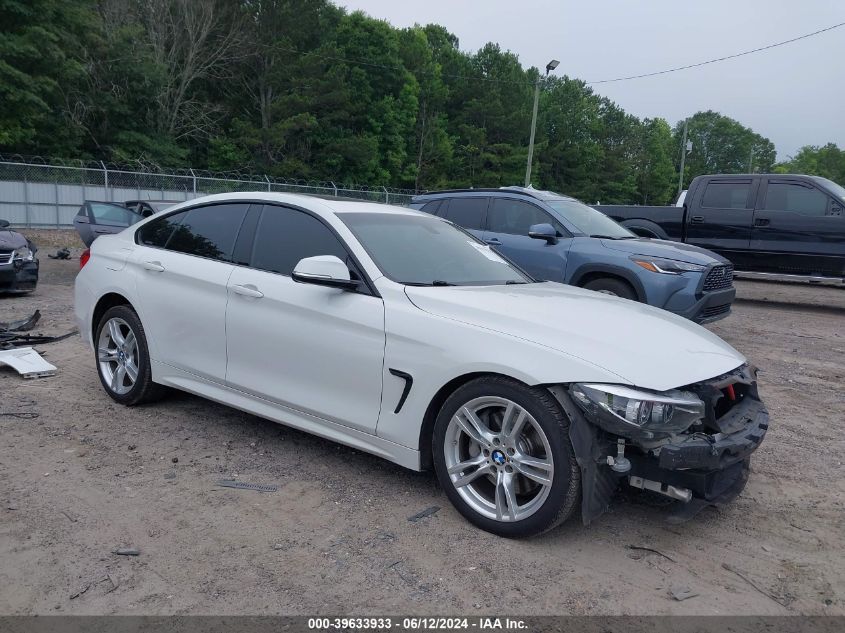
(831, 186)
(419, 250)
(589, 221)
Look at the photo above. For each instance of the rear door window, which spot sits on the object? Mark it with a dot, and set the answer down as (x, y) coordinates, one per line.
(796, 197)
(158, 232)
(209, 231)
(726, 194)
(202, 231)
(466, 212)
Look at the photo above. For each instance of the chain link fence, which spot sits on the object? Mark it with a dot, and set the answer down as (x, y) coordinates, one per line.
(40, 193)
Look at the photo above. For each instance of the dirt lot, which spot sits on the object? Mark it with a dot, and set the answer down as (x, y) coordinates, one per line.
(87, 476)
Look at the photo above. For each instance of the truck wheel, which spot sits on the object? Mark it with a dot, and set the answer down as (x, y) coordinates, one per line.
(610, 286)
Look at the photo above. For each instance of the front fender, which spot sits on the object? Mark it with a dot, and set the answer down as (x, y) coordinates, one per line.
(611, 270)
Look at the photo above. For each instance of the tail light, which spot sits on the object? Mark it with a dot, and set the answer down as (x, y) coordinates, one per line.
(83, 259)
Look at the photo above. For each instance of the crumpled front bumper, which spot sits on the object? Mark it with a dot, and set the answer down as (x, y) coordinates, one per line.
(19, 276)
(714, 468)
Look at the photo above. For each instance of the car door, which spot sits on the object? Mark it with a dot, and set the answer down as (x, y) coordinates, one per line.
(314, 349)
(720, 216)
(102, 218)
(798, 229)
(508, 222)
(181, 267)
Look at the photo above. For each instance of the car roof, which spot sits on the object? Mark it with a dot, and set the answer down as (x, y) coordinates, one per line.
(538, 194)
(311, 203)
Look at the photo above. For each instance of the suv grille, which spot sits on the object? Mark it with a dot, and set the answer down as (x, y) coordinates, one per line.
(6, 256)
(719, 278)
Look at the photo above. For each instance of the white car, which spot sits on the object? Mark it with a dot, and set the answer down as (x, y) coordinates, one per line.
(398, 333)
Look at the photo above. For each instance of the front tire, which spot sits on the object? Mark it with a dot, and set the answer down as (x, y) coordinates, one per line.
(503, 456)
(610, 286)
(123, 358)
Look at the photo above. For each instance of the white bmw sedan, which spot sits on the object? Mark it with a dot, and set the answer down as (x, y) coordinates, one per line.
(398, 333)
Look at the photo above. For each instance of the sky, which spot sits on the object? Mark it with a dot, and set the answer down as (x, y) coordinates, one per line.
(794, 94)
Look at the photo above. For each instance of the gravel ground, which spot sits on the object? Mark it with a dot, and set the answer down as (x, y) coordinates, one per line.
(88, 476)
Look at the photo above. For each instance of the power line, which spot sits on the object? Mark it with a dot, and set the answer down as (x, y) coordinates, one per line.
(718, 59)
(589, 83)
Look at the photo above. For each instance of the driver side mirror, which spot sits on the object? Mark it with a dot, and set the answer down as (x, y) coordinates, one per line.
(4, 224)
(543, 231)
(324, 270)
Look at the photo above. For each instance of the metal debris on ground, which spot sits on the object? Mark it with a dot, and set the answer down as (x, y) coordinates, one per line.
(424, 513)
(21, 325)
(127, 551)
(27, 362)
(230, 483)
(10, 339)
(682, 593)
(62, 253)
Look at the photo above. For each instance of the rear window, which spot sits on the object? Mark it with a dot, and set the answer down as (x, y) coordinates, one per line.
(727, 195)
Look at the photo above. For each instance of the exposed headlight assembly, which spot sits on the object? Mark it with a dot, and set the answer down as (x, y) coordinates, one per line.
(23, 254)
(635, 413)
(666, 266)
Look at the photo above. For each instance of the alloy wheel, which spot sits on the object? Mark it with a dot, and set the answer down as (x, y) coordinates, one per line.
(117, 354)
(498, 459)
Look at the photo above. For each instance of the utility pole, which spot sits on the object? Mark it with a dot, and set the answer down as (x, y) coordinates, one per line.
(751, 160)
(683, 159)
(550, 66)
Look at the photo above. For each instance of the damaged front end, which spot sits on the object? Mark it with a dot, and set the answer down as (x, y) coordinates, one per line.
(691, 444)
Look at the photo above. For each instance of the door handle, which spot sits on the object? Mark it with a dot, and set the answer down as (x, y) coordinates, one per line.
(248, 291)
(762, 221)
(493, 241)
(101, 231)
(155, 267)
(697, 219)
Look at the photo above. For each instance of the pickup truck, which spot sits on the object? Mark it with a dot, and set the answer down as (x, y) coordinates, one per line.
(777, 224)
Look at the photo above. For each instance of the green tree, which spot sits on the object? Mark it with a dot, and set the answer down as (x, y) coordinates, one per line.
(827, 161)
(721, 145)
(656, 174)
(40, 60)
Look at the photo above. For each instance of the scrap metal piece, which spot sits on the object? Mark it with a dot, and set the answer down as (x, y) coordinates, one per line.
(27, 362)
(230, 483)
(21, 325)
(10, 340)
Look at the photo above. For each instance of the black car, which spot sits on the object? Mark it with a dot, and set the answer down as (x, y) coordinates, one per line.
(18, 263)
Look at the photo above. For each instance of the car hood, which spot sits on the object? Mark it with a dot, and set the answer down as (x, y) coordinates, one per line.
(665, 249)
(644, 346)
(10, 240)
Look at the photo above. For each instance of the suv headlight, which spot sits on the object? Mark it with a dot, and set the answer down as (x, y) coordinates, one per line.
(23, 254)
(667, 266)
(641, 414)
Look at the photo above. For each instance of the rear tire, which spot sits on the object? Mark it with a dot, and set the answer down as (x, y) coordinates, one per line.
(503, 456)
(610, 286)
(123, 358)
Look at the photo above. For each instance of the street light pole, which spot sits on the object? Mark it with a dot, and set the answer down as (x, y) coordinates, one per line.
(683, 159)
(549, 67)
